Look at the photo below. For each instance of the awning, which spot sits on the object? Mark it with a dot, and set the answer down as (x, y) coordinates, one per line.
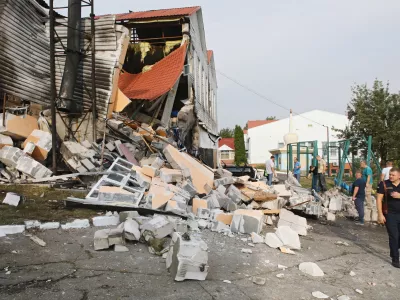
(159, 80)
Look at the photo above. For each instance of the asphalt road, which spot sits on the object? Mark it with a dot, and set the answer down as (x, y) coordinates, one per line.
(69, 268)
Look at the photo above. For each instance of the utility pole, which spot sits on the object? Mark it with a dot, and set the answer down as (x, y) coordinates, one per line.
(53, 90)
(328, 149)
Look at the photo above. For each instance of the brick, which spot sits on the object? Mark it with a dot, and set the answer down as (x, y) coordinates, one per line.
(198, 203)
(170, 175)
(149, 171)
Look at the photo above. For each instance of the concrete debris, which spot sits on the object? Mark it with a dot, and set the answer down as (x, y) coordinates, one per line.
(12, 199)
(37, 240)
(218, 226)
(101, 239)
(247, 221)
(342, 243)
(187, 257)
(131, 230)
(297, 223)
(259, 280)
(289, 237)
(10, 155)
(391, 284)
(343, 297)
(251, 245)
(227, 281)
(115, 236)
(352, 274)
(319, 295)
(30, 224)
(282, 267)
(76, 224)
(280, 275)
(32, 168)
(224, 181)
(127, 214)
(257, 239)
(248, 251)
(110, 220)
(159, 227)
(269, 221)
(287, 250)
(120, 248)
(311, 268)
(272, 240)
(359, 291)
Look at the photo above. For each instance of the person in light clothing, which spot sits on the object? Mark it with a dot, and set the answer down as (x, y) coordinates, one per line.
(386, 171)
(321, 174)
(270, 169)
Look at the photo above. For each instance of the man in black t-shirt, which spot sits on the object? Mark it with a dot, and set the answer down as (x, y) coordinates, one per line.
(388, 203)
(359, 196)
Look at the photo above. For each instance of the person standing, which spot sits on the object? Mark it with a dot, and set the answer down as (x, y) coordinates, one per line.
(386, 171)
(297, 169)
(367, 176)
(321, 174)
(270, 169)
(359, 196)
(314, 182)
(388, 204)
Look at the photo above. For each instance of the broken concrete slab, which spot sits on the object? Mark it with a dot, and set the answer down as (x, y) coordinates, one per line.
(159, 196)
(110, 146)
(88, 165)
(248, 251)
(187, 186)
(335, 204)
(257, 239)
(76, 224)
(112, 220)
(31, 167)
(29, 148)
(115, 236)
(282, 191)
(101, 239)
(123, 215)
(247, 221)
(120, 248)
(170, 175)
(10, 155)
(218, 226)
(297, 223)
(202, 223)
(159, 227)
(225, 218)
(221, 189)
(75, 150)
(37, 240)
(289, 237)
(187, 257)
(143, 180)
(311, 268)
(330, 216)
(12, 199)
(272, 240)
(131, 230)
(157, 163)
(224, 181)
(319, 295)
(200, 174)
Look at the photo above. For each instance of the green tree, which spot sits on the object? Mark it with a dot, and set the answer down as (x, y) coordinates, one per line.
(226, 133)
(271, 118)
(240, 150)
(374, 112)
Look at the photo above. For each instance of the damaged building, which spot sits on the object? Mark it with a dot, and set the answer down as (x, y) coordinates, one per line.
(151, 67)
(169, 75)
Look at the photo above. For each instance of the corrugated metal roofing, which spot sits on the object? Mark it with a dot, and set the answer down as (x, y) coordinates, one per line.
(108, 48)
(24, 51)
(157, 81)
(159, 13)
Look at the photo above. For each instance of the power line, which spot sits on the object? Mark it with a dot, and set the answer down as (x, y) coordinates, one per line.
(264, 97)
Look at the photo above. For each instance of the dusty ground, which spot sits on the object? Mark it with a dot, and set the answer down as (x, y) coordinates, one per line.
(69, 268)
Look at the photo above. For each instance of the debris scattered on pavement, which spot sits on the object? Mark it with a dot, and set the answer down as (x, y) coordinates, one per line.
(37, 240)
(343, 297)
(259, 280)
(319, 295)
(12, 199)
(226, 281)
(352, 273)
(280, 275)
(311, 268)
(248, 251)
(359, 291)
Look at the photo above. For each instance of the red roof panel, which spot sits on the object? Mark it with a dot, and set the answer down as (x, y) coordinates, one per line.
(159, 13)
(157, 81)
(256, 123)
(230, 142)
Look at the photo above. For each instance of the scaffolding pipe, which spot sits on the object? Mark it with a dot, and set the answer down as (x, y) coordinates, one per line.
(72, 60)
(53, 90)
(94, 107)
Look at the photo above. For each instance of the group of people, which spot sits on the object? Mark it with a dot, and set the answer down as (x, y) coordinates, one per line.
(387, 200)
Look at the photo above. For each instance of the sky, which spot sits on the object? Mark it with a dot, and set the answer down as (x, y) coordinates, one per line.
(303, 55)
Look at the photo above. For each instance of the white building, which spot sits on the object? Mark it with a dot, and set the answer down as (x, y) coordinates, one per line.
(265, 140)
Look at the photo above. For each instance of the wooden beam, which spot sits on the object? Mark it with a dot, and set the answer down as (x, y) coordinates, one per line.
(169, 104)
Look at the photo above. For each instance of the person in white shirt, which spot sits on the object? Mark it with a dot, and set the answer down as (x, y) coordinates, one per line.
(386, 171)
(270, 169)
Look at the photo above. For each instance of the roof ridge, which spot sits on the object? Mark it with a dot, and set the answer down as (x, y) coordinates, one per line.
(185, 7)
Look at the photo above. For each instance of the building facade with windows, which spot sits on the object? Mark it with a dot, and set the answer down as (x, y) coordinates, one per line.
(268, 139)
(226, 151)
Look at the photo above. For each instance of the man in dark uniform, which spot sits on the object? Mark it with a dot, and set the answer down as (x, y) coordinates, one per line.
(388, 204)
(359, 196)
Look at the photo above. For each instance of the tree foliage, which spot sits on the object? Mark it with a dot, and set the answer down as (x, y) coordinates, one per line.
(374, 112)
(226, 133)
(270, 118)
(240, 150)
